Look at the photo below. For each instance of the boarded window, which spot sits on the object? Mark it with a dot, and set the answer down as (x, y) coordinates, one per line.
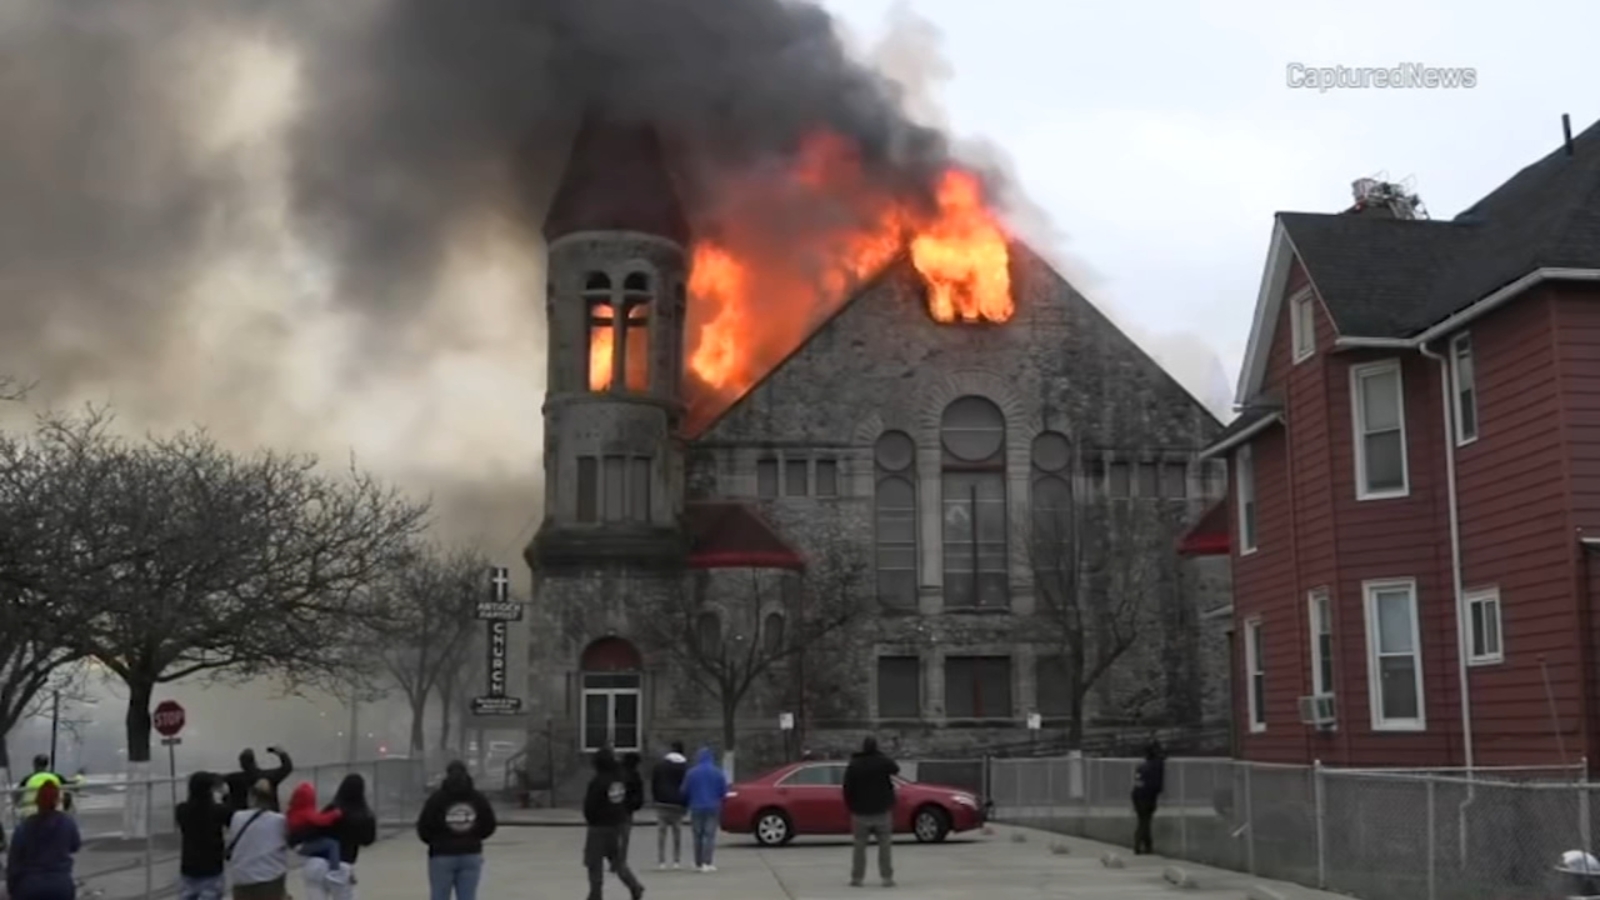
(766, 478)
(1118, 479)
(827, 478)
(588, 488)
(1174, 480)
(1147, 479)
(794, 477)
(895, 521)
(1052, 688)
(977, 687)
(639, 489)
(976, 566)
(899, 687)
(613, 488)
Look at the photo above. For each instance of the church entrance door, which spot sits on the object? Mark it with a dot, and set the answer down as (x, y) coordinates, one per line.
(611, 711)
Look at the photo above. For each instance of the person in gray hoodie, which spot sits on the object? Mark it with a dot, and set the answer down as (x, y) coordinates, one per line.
(666, 790)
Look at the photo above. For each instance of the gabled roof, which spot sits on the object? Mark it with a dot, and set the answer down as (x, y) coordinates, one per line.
(730, 535)
(616, 180)
(1386, 279)
(1250, 422)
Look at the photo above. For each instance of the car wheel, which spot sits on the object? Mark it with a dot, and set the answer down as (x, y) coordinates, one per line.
(773, 828)
(931, 824)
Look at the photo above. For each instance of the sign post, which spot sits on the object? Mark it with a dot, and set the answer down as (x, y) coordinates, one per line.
(498, 610)
(169, 718)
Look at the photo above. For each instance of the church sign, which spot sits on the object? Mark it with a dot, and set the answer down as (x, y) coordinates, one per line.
(498, 610)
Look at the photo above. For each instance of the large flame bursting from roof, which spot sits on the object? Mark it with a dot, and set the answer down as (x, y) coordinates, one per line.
(759, 287)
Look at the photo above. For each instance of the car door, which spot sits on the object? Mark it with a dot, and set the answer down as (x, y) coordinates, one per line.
(903, 803)
(812, 796)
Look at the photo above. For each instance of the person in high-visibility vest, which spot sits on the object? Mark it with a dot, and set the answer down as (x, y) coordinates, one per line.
(28, 796)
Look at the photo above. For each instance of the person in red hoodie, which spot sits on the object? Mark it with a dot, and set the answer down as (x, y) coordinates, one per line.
(307, 826)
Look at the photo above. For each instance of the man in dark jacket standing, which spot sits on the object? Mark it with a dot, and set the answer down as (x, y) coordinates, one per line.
(454, 823)
(240, 782)
(869, 795)
(1147, 784)
(666, 789)
(605, 808)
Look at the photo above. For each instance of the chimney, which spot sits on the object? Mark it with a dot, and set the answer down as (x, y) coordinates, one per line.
(1566, 131)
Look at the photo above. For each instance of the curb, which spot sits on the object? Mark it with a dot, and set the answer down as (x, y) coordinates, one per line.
(1179, 877)
(1262, 892)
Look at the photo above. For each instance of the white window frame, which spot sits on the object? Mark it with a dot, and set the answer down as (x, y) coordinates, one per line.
(1369, 594)
(1303, 325)
(1255, 666)
(1464, 339)
(1321, 597)
(1359, 433)
(1245, 494)
(1488, 597)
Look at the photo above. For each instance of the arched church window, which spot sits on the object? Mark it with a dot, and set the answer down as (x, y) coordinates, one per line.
(710, 635)
(772, 634)
(601, 320)
(1054, 552)
(895, 520)
(636, 331)
(972, 434)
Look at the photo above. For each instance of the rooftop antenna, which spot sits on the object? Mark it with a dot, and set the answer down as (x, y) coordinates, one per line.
(1566, 131)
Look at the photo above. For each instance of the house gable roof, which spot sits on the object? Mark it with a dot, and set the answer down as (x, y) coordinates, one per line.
(1388, 279)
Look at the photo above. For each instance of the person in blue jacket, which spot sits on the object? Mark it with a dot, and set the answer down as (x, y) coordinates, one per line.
(39, 862)
(704, 788)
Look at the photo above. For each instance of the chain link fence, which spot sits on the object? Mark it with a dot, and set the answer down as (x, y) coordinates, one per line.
(130, 835)
(1375, 834)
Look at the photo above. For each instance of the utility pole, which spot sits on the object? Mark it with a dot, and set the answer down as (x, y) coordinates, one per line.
(351, 744)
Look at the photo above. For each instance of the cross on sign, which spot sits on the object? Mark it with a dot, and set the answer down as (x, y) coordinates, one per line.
(502, 583)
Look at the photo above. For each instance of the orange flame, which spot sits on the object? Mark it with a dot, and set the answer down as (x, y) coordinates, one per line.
(825, 227)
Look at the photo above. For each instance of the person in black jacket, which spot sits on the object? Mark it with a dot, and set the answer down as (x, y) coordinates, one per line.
(605, 808)
(454, 824)
(1147, 784)
(869, 795)
(356, 827)
(666, 789)
(202, 824)
(633, 782)
(240, 782)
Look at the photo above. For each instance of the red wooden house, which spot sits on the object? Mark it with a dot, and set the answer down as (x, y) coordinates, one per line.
(1416, 481)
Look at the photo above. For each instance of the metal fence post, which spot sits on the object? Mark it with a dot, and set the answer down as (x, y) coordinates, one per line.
(1249, 823)
(1433, 853)
(1319, 800)
(1050, 788)
(1183, 810)
(1584, 822)
(149, 838)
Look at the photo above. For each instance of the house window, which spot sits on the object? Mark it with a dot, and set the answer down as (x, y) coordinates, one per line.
(1321, 642)
(827, 478)
(794, 477)
(895, 520)
(1394, 656)
(1147, 479)
(1464, 388)
(766, 478)
(977, 687)
(1119, 481)
(1256, 666)
(636, 331)
(1304, 326)
(588, 489)
(1483, 608)
(899, 687)
(1245, 482)
(1379, 407)
(1051, 686)
(973, 436)
(1175, 480)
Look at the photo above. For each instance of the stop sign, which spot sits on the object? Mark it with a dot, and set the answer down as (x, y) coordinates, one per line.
(168, 718)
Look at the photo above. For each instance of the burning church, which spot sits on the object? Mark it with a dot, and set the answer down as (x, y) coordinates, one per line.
(887, 472)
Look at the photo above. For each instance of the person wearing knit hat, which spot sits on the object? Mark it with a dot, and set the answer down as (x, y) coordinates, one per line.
(39, 861)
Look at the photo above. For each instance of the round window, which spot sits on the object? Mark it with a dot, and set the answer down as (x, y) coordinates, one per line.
(973, 429)
(895, 451)
(1051, 452)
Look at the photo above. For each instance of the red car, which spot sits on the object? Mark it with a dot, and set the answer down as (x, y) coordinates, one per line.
(808, 798)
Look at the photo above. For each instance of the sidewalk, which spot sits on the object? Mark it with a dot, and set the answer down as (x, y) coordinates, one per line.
(539, 863)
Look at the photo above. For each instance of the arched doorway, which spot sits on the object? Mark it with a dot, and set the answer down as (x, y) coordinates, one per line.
(613, 676)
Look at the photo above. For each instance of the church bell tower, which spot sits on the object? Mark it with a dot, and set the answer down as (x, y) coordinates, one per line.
(617, 262)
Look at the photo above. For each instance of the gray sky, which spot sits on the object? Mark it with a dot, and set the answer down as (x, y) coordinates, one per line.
(1161, 136)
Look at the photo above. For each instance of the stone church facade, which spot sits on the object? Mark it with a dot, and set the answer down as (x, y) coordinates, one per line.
(893, 464)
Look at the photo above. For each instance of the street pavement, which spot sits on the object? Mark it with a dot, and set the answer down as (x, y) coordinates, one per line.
(1009, 864)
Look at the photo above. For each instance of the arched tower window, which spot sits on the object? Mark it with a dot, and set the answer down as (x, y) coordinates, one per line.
(602, 329)
(772, 634)
(973, 482)
(1054, 553)
(636, 325)
(896, 520)
(709, 634)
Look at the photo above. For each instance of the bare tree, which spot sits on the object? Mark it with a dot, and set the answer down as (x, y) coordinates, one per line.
(429, 608)
(198, 562)
(725, 644)
(453, 685)
(1097, 567)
